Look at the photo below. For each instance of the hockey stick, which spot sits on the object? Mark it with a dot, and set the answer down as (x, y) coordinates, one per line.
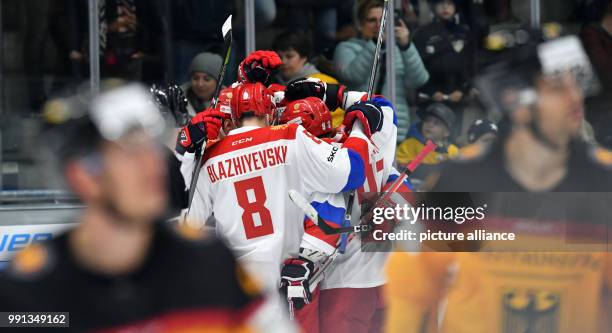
(381, 32)
(327, 229)
(429, 147)
(226, 29)
(313, 215)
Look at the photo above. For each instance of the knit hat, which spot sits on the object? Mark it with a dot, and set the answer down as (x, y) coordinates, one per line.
(439, 111)
(479, 128)
(208, 63)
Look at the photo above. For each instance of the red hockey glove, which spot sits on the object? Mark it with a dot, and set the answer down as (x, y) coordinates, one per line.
(205, 125)
(258, 67)
(294, 284)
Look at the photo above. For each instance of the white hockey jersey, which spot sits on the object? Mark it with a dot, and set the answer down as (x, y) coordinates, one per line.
(245, 181)
(354, 268)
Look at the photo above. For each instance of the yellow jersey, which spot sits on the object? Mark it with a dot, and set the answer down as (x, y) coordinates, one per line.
(503, 292)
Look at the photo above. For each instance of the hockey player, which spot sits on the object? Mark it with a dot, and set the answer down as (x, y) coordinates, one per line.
(352, 286)
(123, 269)
(254, 166)
(538, 150)
(259, 66)
(188, 134)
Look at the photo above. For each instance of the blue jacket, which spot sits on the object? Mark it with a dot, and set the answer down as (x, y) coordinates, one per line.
(353, 63)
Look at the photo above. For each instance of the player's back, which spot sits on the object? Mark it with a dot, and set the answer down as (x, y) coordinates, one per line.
(356, 268)
(245, 181)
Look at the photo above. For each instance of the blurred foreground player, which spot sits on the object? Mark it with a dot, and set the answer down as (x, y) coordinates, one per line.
(539, 146)
(538, 150)
(123, 269)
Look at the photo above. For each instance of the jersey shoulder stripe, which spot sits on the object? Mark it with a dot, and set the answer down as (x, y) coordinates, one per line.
(251, 138)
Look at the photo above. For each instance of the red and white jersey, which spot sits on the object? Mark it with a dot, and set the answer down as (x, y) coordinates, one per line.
(245, 181)
(354, 268)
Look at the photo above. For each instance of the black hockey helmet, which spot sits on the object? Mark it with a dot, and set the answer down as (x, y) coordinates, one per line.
(171, 99)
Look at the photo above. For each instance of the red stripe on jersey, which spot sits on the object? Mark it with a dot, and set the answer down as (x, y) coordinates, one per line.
(314, 230)
(370, 179)
(360, 146)
(251, 138)
(213, 320)
(380, 165)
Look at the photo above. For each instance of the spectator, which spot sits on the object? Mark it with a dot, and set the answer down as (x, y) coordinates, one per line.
(126, 30)
(436, 122)
(325, 20)
(196, 28)
(482, 131)
(124, 25)
(294, 49)
(203, 73)
(353, 60)
(445, 47)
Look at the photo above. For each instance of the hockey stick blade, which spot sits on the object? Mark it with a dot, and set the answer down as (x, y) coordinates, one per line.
(313, 215)
(227, 26)
(226, 29)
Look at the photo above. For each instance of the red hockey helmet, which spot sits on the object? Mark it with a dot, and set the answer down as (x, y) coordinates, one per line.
(251, 98)
(310, 112)
(224, 104)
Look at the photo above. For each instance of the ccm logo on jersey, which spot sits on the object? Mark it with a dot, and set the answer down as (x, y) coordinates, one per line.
(332, 155)
(243, 140)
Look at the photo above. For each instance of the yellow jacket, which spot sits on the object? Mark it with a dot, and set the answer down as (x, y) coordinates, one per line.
(409, 149)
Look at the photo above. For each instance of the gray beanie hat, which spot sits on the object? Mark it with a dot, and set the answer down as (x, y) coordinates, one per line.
(439, 111)
(208, 63)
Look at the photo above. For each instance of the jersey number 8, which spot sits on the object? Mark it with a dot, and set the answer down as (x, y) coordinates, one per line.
(250, 208)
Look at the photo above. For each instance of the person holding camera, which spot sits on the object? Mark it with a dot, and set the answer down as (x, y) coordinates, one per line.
(353, 60)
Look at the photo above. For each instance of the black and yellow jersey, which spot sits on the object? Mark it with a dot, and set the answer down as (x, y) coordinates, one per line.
(483, 170)
(506, 292)
(187, 283)
(514, 289)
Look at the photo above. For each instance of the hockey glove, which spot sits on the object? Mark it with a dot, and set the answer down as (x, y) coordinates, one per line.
(205, 125)
(330, 93)
(258, 67)
(295, 284)
(369, 113)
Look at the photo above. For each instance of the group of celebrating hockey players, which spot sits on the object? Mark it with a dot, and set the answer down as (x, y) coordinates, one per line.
(282, 139)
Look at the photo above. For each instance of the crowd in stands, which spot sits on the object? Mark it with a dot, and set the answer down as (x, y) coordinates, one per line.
(438, 52)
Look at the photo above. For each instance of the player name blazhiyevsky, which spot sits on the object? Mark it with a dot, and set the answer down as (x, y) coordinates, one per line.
(247, 163)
